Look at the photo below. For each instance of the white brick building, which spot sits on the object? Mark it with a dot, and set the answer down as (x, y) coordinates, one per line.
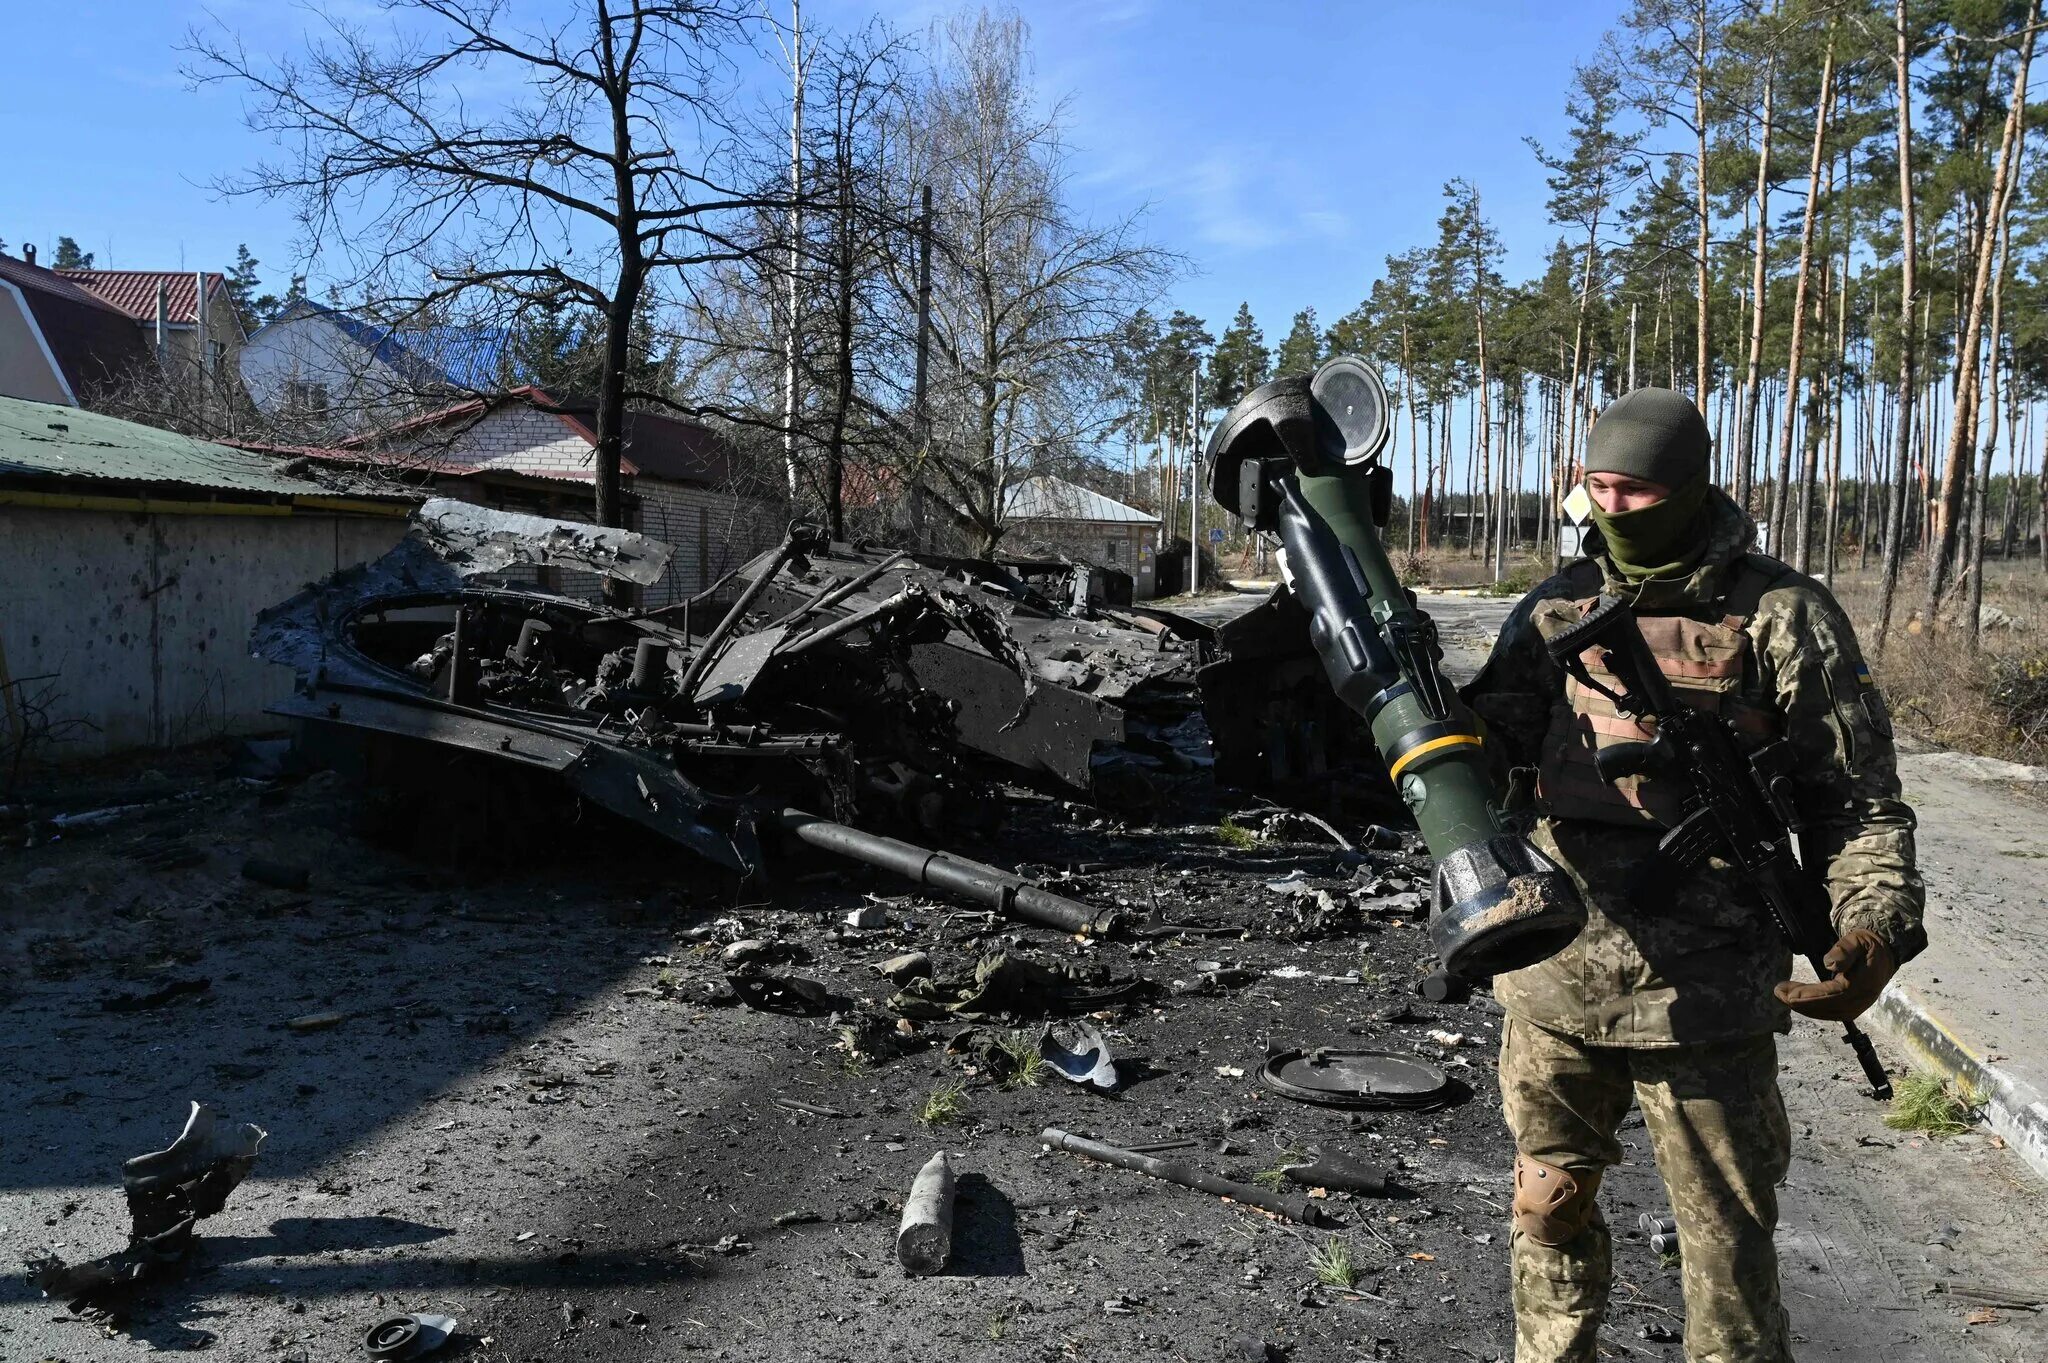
(682, 482)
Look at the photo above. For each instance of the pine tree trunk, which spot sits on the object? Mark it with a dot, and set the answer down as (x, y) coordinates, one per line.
(1796, 353)
(1896, 514)
(1699, 123)
(1975, 547)
(1963, 428)
(1415, 455)
(1757, 288)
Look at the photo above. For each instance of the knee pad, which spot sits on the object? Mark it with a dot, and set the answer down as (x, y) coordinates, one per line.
(1551, 1204)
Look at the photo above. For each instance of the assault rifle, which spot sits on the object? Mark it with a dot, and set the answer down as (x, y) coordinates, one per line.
(1737, 806)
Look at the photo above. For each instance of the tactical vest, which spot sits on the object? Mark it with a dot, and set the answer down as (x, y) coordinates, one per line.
(1707, 658)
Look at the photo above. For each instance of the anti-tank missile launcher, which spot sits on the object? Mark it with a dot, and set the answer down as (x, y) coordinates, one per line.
(1299, 457)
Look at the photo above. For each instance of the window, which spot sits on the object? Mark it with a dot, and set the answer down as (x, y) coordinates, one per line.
(306, 399)
(1109, 553)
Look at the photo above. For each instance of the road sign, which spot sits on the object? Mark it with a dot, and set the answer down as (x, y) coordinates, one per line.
(1215, 537)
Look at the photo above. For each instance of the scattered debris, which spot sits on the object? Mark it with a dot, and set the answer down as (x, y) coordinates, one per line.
(169, 1192)
(813, 1109)
(155, 998)
(901, 970)
(1440, 986)
(797, 994)
(409, 1336)
(1333, 1170)
(1335, 1077)
(1301, 1209)
(1083, 1056)
(924, 1239)
(316, 1022)
(1009, 984)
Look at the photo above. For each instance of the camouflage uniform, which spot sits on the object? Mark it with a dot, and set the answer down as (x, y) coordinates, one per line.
(1671, 1002)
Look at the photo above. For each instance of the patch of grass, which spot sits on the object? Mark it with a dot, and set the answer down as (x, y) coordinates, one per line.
(1515, 583)
(1924, 1104)
(944, 1105)
(1027, 1067)
(1667, 1261)
(1368, 969)
(1275, 1179)
(1332, 1264)
(1231, 833)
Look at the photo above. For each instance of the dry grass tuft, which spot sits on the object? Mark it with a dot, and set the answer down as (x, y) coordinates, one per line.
(1924, 1104)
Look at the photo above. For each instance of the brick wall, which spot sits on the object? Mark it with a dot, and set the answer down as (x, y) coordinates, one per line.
(520, 439)
(711, 531)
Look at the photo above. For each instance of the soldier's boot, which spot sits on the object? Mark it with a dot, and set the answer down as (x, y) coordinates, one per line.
(1562, 1262)
(1717, 1124)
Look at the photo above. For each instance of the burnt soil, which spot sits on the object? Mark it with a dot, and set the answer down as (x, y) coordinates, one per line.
(541, 1116)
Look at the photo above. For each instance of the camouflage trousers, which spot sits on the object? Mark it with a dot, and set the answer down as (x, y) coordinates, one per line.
(1717, 1126)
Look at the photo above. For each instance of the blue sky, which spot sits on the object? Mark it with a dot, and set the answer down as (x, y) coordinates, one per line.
(1283, 155)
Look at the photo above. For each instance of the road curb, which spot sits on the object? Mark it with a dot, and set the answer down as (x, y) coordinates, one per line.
(2013, 1108)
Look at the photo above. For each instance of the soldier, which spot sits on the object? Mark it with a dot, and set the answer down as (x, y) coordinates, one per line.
(1673, 1000)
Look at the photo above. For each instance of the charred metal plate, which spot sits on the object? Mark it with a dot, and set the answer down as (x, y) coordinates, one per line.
(739, 666)
(416, 719)
(1346, 1078)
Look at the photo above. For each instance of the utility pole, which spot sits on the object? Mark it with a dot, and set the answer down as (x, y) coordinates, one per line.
(1631, 346)
(924, 349)
(796, 232)
(1194, 476)
(200, 339)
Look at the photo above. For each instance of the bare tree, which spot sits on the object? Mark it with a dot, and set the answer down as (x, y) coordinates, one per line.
(595, 162)
(1027, 300)
(841, 324)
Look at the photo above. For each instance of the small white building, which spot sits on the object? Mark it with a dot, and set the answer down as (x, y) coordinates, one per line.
(133, 562)
(1085, 525)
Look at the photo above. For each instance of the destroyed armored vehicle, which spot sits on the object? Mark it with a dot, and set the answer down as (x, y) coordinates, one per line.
(819, 686)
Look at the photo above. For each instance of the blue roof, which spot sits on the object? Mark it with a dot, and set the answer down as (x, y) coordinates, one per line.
(472, 358)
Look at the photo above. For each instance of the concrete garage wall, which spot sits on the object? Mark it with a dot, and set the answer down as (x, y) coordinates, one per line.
(141, 622)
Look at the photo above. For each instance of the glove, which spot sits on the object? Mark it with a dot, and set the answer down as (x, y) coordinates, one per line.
(1862, 966)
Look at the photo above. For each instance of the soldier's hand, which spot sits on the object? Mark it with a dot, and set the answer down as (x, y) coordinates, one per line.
(1863, 965)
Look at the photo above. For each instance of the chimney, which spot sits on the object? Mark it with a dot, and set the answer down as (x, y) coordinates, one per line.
(28, 252)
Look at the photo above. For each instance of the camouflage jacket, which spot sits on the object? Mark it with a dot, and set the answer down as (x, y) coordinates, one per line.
(1699, 966)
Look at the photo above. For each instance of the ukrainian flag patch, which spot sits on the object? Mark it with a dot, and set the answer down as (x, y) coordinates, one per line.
(1863, 674)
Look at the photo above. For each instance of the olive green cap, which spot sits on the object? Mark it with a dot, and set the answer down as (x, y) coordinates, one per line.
(1653, 434)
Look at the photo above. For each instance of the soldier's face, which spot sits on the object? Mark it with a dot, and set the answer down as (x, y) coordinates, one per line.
(1615, 493)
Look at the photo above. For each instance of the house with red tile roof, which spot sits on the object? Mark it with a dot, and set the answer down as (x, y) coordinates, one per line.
(59, 342)
(185, 318)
